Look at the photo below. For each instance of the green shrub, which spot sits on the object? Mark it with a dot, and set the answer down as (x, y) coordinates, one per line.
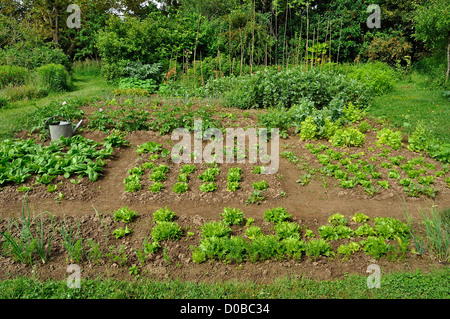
(3, 101)
(33, 55)
(132, 83)
(379, 77)
(166, 230)
(11, 75)
(23, 92)
(53, 77)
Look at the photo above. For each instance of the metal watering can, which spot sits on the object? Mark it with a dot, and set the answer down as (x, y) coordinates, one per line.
(61, 128)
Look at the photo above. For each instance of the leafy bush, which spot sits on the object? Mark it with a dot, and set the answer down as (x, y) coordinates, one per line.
(378, 76)
(132, 83)
(163, 215)
(125, 215)
(166, 230)
(293, 247)
(285, 88)
(11, 75)
(3, 101)
(53, 77)
(276, 215)
(233, 216)
(33, 55)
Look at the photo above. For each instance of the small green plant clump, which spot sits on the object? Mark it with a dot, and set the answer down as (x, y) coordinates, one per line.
(125, 215)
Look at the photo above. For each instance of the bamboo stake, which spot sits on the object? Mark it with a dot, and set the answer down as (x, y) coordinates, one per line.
(339, 46)
(307, 36)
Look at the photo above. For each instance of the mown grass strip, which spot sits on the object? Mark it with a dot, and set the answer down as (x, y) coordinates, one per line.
(403, 285)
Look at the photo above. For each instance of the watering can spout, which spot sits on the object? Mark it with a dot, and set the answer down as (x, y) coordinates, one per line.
(76, 127)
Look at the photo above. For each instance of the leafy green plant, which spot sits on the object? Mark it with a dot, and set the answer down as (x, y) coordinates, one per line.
(253, 231)
(276, 215)
(156, 187)
(232, 216)
(255, 197)
(209, 175)
(132, 183)
(260, 186)
(166, 230)
(233, 186)
(317, 247)
(187, 169)
(163, 215)
(388, 137)
(216, 229)
(348, 136)
(384, 184)
(329, 232)
(375, 246)
(287, 229)
(125, 215)
(150, 247)
(208, 187)
(337, 219)
(365, 231)
(360, 218)
(393, 173)
(180, 187)
(389, 227)
(149, 147)
(71, 241)
(348, 249)
(120, 232)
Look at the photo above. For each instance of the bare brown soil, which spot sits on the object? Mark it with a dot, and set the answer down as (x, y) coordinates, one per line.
(310, 205)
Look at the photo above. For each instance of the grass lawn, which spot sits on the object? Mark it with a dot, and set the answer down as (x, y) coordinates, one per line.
(392, 286)
(413, 101)
(16, 116)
